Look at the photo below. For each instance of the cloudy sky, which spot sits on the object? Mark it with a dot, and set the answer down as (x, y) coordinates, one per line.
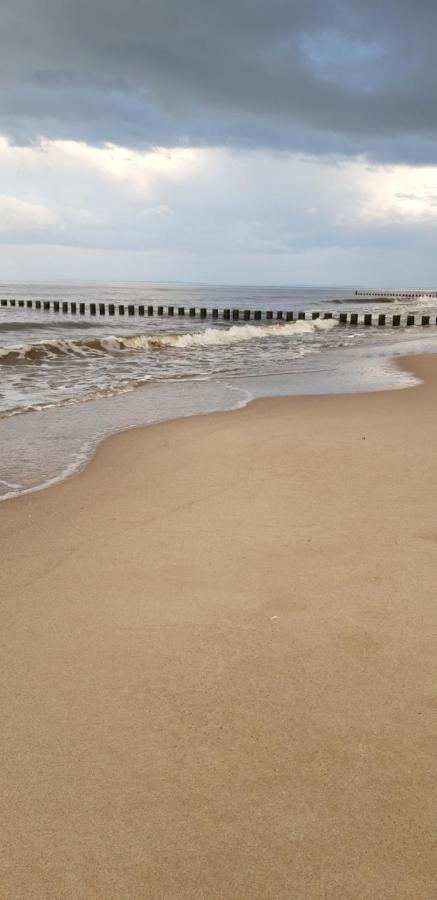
(246, 141)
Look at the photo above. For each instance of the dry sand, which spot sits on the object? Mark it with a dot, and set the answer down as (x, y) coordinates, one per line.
(219, 660)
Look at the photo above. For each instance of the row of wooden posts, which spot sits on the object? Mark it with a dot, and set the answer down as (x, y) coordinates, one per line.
(235, 315)
(397, 295)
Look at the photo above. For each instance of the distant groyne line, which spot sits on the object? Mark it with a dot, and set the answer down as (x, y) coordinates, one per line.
(395, 295)
(73, 307)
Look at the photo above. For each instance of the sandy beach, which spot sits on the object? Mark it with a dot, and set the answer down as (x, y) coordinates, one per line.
(218, 659)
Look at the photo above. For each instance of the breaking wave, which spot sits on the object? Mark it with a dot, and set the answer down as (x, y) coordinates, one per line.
(217, 337)
(42, 351)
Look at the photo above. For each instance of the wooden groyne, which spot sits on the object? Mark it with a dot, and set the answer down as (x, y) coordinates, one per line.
(395, 295)
(74, 308)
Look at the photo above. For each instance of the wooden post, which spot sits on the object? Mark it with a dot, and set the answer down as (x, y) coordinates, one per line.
(410, 320)
(257, 315)
(381, 319)
(269, 314)
(235, 314)
(21, 303)
(289, 316)
(93, 309)
(354, 319)
(396, 321)
(160, 310)
(73, 308)
(279, 314)
(141, 310)
(29, 304)
(102, 309)
(226, 313)
(121, 309)
(203, 313)
(215, 313)
(367, 319)
(425, 320)
(315, 315)
(111, 309)
(82, 309)
(327, 315)
(56, 305)
(37, 304)
(192, 311)
(150, 310)
(246, 315)
(170, 310)
(181, 311)
(343, 318)
(65, 307)
(131, 310)
(46, 304)
(301, 315)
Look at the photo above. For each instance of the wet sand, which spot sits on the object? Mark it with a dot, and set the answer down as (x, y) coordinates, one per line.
(218, 659)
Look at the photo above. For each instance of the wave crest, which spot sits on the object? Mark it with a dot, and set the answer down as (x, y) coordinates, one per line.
(219, 337)
(211, 337)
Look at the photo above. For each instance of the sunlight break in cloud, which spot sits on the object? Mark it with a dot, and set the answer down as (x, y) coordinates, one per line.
(177, 203)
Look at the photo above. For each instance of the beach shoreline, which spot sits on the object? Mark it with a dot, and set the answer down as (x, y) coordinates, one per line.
(218, 658)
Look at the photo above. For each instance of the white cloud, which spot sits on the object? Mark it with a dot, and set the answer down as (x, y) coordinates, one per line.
(211, 214)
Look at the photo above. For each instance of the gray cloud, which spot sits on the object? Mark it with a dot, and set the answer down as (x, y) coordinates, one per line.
(323, 76)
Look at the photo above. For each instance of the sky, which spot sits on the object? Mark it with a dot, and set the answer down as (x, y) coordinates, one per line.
(233, 141)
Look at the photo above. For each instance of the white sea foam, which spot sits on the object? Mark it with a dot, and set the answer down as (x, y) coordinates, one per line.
(216, 337)
(210, 337)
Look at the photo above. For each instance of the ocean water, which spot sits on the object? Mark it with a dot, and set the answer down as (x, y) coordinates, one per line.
(67, 382)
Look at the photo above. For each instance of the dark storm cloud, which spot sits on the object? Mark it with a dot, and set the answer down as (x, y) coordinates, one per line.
(320, 76)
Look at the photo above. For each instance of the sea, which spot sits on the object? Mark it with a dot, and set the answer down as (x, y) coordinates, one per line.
(67, 382)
